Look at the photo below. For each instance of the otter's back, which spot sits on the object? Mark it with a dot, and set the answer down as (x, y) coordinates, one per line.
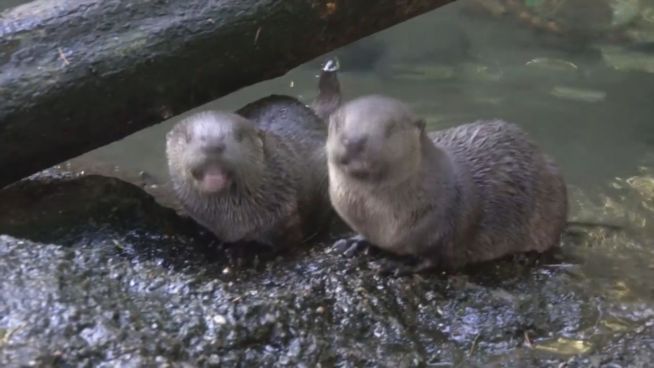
(288, 118)
(515, 184)
(299, 143)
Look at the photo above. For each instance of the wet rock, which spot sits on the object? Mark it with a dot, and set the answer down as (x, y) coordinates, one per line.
(57, 206)
(93, 272)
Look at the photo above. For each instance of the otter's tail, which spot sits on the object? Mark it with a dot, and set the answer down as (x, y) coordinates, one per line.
(329, 90)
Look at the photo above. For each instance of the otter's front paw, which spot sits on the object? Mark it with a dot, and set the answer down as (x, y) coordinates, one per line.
(286, 234)
(351, 246)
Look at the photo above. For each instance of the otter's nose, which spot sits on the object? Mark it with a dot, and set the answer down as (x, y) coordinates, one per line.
(354, 146)
(214, 148)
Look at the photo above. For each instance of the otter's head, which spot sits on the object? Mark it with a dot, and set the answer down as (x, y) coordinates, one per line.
(376, 139)
(212, 152)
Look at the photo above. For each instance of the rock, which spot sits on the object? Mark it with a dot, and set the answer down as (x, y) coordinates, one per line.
(93, 272)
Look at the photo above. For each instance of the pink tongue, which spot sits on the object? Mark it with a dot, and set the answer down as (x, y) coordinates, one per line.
(214, 180)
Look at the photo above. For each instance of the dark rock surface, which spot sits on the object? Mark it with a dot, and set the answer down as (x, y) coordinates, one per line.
(94, 273)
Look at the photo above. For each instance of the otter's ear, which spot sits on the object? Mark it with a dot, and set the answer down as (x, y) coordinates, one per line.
(262, 136)
(178, 131)
(420, 124)
(186, 134)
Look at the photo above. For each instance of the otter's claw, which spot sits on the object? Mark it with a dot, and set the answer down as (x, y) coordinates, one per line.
(350, 246)
(332, 65)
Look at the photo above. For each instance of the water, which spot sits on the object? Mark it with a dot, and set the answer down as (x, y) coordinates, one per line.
(507, 72)
(586, 100)
(7, 4)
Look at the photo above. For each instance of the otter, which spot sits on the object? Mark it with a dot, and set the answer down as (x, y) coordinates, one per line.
(469, 194)
(256, 175)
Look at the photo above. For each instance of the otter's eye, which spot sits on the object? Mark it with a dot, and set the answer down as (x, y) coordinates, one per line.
(239, 134)
(389, 130)
(187, 136)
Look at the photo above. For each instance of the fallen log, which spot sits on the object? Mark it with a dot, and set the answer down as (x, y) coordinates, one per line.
(75, 75)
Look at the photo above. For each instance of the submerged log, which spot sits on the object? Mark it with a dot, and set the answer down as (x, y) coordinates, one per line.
(75, 75)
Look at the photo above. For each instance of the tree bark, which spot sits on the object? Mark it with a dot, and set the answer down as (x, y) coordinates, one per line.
(75, 75)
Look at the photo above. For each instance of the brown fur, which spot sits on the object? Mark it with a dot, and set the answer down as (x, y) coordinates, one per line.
(274, 151)
(468, 194)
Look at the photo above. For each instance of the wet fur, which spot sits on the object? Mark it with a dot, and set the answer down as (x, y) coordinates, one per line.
(279, 201)
(479, 191)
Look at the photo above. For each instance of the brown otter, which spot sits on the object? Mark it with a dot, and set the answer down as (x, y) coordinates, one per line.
(468, 194)
(259, 174)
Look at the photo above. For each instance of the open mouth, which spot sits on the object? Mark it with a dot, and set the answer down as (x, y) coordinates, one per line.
(357, 169)
(212, 178)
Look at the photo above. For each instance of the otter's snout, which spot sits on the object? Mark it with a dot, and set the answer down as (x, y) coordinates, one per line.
(209, 169)
(352, 148)
(212, 177)
(353, 156)
(214, 149)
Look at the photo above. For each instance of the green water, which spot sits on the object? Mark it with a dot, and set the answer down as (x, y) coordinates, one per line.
(6, 4)
(594, 119)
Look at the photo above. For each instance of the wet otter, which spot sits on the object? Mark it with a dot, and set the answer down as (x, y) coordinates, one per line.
(468, 194)
(259, 174)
